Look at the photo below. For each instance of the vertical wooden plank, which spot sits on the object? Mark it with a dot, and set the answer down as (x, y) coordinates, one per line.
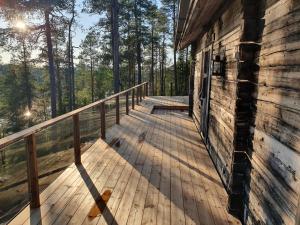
(144, 91)
(32, 172)
(117, 110)
(137, 96)
(140, 92)
(147, 89)
(102, 112)
(76, 136)
(127, 103)
(133, 97)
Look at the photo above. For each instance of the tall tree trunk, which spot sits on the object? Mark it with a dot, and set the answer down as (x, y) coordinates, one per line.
(26, 77)
(70, 55)
(59, 89)
(138, 42)
(174, 53)
(161, 83)
(51, 64)
(115, 43)
(152, 61)
(92, 81)
(73, 78)
(59, 85)
(163, 65)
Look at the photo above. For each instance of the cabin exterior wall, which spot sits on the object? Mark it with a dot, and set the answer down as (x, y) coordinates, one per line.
(222, 38)
(270, 194)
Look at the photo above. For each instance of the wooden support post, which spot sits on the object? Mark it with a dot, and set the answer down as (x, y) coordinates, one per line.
(32, 172)
(127, 103)
(102, 109)
(117, 110)
(137, 96)
(147, 89)
(144, 91)
(141, 94)
(133, 98)
(76, 135)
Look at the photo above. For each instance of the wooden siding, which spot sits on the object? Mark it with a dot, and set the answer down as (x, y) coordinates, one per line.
(227, 31)
(274, 179)
(274, 186)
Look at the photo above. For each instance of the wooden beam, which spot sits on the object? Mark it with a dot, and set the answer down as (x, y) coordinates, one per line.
(133, 98)
(137, 97)
(32, 172)
(127, 103)
(102, 112)
(141, 93)
(117, 110)
(147, 89)
(76, 135)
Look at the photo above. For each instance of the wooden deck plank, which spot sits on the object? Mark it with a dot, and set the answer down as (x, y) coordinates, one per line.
(164, 202)
(177, 208)
(160, 174)
(51, 193)
(81, 215)
(78, 185)
(112, 206)
(151, 202)
(189, 198)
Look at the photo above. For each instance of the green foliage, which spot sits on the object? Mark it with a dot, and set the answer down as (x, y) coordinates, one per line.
(13, 99)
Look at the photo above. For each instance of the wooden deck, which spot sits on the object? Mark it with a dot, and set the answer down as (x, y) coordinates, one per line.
(156, 167)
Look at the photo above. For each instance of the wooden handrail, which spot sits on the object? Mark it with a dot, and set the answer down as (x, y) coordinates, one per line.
(39, 127)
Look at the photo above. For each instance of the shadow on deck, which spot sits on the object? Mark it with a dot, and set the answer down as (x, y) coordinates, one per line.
(154, 165)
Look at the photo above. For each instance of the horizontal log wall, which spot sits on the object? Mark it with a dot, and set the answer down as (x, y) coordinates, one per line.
(223, 37)
(275, 179)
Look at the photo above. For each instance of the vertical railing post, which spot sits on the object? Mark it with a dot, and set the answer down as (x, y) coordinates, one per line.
(133, 98)
(102, 112)
(127, 103)
(76, 135)
(144, 91)
(137, 96)
(32, 173)
(147, 89)
(117, 110)
(141, 93)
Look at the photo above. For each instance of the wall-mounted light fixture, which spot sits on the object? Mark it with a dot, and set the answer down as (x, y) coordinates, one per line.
(218, 66)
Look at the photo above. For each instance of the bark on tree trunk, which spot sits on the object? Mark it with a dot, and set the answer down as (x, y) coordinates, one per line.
(51, 64)
(152, 61)
(26, 77)
(115, 43)
(174, 53)
(138, 42)
(92, 81)
(70, 61)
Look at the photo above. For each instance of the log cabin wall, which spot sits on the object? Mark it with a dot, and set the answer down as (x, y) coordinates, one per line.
(274, 179)
(221, 38)
(272, 139)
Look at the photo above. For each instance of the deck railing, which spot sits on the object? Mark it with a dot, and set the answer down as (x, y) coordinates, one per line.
(29, 135)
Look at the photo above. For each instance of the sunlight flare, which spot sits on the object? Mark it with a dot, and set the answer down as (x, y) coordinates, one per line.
(20, 25)
(27, 114)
